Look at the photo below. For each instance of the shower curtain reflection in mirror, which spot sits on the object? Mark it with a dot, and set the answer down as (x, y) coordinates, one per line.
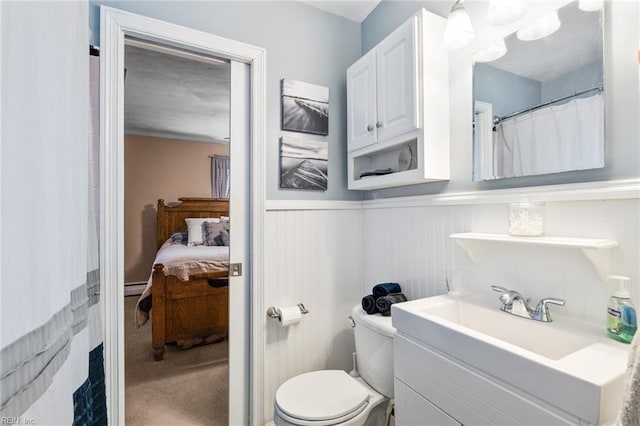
(548, 140)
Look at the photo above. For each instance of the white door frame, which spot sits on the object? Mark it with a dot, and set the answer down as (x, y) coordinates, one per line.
(114, 26)
(483, 141)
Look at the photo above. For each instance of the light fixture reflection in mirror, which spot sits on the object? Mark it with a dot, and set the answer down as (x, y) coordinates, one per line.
(495, 51)
(541, 28)
(504, 12)
(539, 108)
(591, 5)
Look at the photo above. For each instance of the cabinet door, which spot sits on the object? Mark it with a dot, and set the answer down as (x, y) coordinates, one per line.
(468, 396)
(397, 81)
(361, 102)
(412, 409)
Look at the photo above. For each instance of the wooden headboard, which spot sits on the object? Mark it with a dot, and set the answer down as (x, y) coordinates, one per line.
(171, 218)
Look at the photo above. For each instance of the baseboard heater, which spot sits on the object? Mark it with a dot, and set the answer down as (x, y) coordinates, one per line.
(135, 288)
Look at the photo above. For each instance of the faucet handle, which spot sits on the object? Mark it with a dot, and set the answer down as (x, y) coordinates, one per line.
(553, 301)
(499, 289)
(542, 310)
(506, 296)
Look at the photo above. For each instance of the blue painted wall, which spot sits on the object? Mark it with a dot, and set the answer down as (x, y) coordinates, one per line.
(581, 79)
(622, 99)
(507, 92)
(388, 15)
(306, 44)
(302, 43)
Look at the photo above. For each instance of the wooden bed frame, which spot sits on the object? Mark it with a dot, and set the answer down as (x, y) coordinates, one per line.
(193, 309)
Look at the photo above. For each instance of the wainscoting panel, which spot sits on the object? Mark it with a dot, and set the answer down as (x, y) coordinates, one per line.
(411, 245)
(328, 255)
(312, 257)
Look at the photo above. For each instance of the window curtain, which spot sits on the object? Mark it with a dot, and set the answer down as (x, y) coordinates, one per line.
(569, 136)
(220, 174)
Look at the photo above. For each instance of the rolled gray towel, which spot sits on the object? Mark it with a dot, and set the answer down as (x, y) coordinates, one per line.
(369, 304)
(384, 289)
(384, 303)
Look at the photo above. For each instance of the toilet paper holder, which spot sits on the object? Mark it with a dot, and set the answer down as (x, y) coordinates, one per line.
(272, 312)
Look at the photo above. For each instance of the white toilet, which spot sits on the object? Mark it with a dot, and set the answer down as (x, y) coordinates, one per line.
(333, 397)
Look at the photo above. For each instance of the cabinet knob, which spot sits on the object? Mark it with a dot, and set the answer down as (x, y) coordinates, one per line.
(369, 128)
(378, 124)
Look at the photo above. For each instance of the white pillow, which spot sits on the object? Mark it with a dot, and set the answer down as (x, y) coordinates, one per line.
(194, 226)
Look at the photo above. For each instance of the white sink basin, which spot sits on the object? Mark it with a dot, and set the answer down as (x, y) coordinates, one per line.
(531, 335)
(571, 365)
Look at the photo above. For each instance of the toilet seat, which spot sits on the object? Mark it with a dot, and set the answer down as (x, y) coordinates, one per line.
(321, 398)
(329, 422)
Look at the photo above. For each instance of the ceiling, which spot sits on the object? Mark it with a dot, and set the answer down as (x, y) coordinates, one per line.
(175, 95)
(354, 10)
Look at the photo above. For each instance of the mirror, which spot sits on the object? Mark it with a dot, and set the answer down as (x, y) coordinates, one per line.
(539, 108)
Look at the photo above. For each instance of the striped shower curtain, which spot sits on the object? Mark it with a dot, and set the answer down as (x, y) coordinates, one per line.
(51, 363)
(220, 173)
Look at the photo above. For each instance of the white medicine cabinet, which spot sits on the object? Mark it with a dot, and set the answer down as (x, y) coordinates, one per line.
(398, 108)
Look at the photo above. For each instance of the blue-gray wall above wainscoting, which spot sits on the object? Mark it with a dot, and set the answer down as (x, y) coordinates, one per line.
(505, 91)
(307, 44)
(622, 98)
(581, 79)
(509, 92)
(302, 43)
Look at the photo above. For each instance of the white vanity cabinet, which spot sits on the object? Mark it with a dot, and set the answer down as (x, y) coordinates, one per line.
(413, 409)
(446, 392)
(398, 107)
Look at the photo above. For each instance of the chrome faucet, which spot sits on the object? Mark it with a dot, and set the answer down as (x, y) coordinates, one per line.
(514, 303)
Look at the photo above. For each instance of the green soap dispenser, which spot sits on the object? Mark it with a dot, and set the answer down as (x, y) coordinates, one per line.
(621, 314)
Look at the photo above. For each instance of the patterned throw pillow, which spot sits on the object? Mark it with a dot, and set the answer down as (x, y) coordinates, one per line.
(196, 230)
(215, 233)
(223, 238)
(180, 238)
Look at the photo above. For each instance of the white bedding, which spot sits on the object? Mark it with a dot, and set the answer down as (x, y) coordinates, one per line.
(182, 261)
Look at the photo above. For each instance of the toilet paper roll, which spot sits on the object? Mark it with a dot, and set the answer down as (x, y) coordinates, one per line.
(289, 315)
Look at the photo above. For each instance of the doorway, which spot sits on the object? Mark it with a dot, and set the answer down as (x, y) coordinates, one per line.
(248, 114)
(176, 160)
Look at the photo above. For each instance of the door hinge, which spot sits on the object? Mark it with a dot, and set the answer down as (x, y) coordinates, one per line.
(235, 269)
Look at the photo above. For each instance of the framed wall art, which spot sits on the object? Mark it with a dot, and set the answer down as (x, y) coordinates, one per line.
(305, 107)
(303, 164)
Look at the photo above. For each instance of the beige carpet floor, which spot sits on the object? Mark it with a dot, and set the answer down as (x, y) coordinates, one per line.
(188, 387)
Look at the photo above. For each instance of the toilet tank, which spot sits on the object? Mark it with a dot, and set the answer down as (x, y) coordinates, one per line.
(374, 349)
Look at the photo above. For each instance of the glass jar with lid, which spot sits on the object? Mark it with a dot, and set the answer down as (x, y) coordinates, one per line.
(526, 218)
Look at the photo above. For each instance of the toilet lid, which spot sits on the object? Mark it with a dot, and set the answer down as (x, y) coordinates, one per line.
(321, 395)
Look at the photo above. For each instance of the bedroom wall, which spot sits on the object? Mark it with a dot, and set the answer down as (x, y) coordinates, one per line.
(158, 168)
(622, 97)
(302, 43)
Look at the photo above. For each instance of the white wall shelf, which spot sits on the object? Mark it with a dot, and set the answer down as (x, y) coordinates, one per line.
(597, 250)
